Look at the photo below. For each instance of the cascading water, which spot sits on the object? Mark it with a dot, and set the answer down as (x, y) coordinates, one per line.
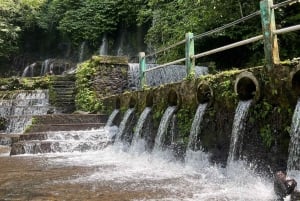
(46, 67)
(163, 126)
(168, 74)
(117, 173)
(124, 125)
(29, 70)
(103, 50)
(81, 51)
(19, 108)
(293, 163)
(195, 129)
(237, 130)
(67, 141)
(194, 151)
(137, 136)
(112, 117)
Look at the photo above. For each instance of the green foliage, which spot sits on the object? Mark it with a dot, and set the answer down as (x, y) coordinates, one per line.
(86, 98)
(185, 120)
(15, 17)
(266, 135)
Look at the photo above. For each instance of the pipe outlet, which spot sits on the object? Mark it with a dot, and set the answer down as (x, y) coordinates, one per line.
(246, 86)
(173, 98)
(132, 102)
(204, 93)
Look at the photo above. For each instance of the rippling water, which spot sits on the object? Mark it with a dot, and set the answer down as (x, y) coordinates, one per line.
(112, 174)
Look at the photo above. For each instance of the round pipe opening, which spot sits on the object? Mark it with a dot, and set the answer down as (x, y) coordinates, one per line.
(173, 98)
(118, 103)
(296, 83)
(246, 86)
(149, 100)
(132, 102)
(204, 93)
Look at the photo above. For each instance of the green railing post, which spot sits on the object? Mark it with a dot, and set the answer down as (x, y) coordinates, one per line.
(270, 39)
(189, 52)
(142, 65)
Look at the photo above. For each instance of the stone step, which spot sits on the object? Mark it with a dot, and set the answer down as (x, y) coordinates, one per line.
(52, 146)
(63, 86)
(70, 118)
(64, 127)
(65, 92)
(8, 139)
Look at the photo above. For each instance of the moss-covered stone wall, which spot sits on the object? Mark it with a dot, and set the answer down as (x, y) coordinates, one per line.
(99, 77)
(269, 119)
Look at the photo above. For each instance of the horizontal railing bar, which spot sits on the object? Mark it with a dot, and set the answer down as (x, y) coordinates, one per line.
(226, 47)
(167, 48)
(285, 3)
(287, 29)
(166, 64)
(227, 25)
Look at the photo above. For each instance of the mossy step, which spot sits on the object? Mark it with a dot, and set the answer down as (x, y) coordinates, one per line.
(64, 127)
(37, 146)
(70, 118)
(8, 139)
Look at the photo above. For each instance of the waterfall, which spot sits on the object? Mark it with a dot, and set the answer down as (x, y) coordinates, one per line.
(112, 117)
(139, 126)
(81, 51)
(65, 141)
(163, 127)
(168, 74)
(29, 70)
(195, 129)
(21, 106)
(124, 125)
(237, 130)
(46, 66)
(294, 147)
(103, 50)
(121, 49)
(133, 76)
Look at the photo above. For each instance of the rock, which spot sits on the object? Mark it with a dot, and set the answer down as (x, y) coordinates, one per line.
(283, 186)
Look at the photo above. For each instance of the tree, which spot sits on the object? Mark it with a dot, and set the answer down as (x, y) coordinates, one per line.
(15, 17)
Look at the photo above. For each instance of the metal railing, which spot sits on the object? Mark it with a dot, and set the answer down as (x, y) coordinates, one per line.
(269, 37)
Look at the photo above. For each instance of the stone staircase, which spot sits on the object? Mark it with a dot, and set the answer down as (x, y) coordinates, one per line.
(62, 93)
(60, 133)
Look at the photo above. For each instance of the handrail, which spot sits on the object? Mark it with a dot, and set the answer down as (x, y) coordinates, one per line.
(285, 3)
(269, 36)
(227, 47)
(287, 29)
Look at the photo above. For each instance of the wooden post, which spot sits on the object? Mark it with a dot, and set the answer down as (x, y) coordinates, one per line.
(270, 39)
(189, 52)
(142, 65)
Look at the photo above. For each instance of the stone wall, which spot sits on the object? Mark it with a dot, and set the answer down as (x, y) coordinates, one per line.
(111, 75)
(266, 138)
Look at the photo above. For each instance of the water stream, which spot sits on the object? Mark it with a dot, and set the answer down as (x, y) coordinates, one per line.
(110, 173)
(238, 130)
(293, 164)
(112, 117)
(163, 128)
(195, 129)
(137, 136)
(124, 125)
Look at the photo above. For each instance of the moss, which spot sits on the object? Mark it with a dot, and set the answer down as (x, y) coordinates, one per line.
(109, 60)
(185, 118)
(86, 98)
